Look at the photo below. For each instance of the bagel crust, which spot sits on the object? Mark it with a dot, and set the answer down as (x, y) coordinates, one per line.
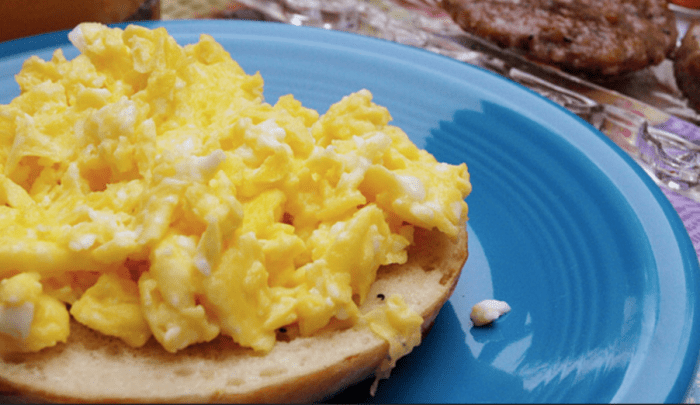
(92, 367)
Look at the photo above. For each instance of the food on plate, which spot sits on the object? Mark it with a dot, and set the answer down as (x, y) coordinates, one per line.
(593, 37)
(686, 65)
(170, 236)
(487, 311)
(23, 18)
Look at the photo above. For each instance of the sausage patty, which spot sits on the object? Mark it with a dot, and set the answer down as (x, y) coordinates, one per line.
(686, 66)
(596, 37)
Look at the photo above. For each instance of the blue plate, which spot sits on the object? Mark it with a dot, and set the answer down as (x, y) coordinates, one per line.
(565, 227)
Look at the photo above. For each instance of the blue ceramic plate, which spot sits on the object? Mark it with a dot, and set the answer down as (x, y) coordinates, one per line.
(594, 261)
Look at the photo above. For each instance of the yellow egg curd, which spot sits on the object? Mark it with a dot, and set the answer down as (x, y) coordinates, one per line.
(146, 189)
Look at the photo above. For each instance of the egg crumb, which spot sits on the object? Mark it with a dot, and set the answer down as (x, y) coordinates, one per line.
(487, 311)
(147, 190)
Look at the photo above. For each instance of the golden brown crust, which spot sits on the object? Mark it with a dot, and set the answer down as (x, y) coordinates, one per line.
(23, 18)
(94, 368)
(687, 65)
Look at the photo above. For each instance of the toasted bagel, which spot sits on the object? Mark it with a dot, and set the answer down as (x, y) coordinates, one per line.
(92, 367)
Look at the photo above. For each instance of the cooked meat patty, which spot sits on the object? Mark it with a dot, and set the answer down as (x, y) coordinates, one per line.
(687, 65)
(597, 37)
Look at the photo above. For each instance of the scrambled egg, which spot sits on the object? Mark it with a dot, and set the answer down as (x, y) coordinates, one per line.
(146, 189)
(487, 311)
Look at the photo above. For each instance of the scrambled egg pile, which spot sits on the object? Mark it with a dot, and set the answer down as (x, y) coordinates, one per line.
(146, 189)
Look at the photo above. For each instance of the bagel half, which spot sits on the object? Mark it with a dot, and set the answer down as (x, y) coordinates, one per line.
(92, 367)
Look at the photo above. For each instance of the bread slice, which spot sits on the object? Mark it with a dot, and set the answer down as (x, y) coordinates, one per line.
(92, 367)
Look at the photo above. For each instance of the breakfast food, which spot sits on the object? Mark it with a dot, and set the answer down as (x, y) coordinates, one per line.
(486, 311)
(593, 37)
(23, 18)
(686, 65)
(93, 368)
(169, 236)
